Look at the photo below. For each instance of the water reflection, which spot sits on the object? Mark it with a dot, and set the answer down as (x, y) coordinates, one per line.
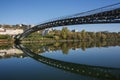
(81, 69)
(66, 46)
(9, 51)
(36, 51)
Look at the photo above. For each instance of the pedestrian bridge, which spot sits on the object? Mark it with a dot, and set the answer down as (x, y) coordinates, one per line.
(107, 14)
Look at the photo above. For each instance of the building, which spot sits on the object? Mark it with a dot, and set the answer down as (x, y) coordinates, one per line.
(74, 30)
(11, 32)
(46, 31)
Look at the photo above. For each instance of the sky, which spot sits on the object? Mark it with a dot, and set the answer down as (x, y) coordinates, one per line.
(38, 11)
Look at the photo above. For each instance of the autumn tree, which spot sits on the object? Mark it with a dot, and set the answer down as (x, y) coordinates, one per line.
(83, 34)
(64, 32)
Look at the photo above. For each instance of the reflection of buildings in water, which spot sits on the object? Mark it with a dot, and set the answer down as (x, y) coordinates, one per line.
(12, 52)
(75, 49)
(45, 49)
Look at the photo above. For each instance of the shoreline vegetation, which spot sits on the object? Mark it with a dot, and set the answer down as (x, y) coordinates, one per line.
(42, 47)
(65, 35)
(65, 47)
(6, 39)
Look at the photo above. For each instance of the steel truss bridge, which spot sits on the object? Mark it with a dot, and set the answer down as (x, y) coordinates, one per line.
(104, 73)
(107, 14)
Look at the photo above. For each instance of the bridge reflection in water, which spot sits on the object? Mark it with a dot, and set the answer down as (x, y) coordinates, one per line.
(82, 69)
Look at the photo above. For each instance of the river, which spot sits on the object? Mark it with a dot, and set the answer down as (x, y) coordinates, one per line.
(60, 61)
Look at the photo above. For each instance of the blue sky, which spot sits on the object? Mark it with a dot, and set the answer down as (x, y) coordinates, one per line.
(37, 11)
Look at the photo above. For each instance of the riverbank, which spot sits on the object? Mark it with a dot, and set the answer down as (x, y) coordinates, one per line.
(50, 41)
(6, 41)
(66, 35)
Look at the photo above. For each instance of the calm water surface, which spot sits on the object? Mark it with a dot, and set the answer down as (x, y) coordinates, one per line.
(60, 61)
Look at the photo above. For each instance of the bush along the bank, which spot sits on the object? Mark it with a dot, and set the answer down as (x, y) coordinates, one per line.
(66, 34)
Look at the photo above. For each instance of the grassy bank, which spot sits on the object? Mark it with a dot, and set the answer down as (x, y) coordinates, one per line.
(6, 39)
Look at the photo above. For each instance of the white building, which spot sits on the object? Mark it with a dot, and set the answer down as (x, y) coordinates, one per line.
(10, 31)
(46, 31)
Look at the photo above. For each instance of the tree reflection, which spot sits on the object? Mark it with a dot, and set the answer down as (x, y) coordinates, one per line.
(96, 72)
(66, 46)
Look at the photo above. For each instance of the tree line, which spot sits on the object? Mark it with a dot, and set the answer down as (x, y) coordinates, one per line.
(66, 34)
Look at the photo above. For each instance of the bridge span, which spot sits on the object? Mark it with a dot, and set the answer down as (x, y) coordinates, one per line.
(107, 14)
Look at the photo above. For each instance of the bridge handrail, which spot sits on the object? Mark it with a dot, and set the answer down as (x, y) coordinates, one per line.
(98, 10)
(43, 25)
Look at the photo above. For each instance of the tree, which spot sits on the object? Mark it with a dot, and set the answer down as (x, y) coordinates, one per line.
(65, 48)
(64, 32)
(0, 25)
(79, 36)
(103, 37)
(7, 26)
(93, 35)
(83, 34)
(98, 35)
(70, 35)
(56, 37)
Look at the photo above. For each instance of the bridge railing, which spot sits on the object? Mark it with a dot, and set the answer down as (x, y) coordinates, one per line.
(98, 10)
(83, 14)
